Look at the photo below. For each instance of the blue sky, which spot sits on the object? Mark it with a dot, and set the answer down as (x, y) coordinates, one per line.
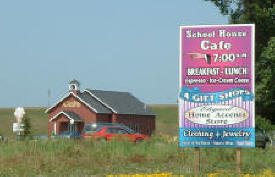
(117, 45)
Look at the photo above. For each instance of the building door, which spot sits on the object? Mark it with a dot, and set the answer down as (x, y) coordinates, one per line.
(63, 126)
(80, 126)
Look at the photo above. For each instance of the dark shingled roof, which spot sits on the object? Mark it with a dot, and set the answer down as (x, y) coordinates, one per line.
(99, 107)
(73, 116)
(122, 102)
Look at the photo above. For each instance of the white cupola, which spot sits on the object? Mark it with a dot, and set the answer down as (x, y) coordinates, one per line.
(74, 86)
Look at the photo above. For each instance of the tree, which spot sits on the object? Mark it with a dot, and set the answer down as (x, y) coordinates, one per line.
(265, 88)
(27, 127)
(263, 124)
(262, 14)
(258, 12)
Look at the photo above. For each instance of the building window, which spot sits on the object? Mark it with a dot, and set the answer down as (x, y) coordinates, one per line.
(72, 87)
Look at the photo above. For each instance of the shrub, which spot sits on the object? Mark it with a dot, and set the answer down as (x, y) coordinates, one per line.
(263, 124)
(27, 127)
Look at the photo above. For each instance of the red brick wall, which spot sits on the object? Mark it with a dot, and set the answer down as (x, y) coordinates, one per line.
(50, 128)
(146, 123)
(104, 118)
(61, 118)
(114, 118)
(83, 111)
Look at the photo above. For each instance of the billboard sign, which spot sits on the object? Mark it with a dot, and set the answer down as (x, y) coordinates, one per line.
(216, 99)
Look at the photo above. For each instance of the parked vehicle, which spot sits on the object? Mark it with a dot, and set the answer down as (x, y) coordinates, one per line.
(92, 127)
(69, 135)
(262, 139)
(108, 131)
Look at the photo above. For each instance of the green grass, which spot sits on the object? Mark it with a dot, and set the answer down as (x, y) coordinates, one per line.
(166, 121)
(38, 118)
(86, 158)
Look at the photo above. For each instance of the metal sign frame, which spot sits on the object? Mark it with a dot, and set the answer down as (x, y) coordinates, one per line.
(216, 98)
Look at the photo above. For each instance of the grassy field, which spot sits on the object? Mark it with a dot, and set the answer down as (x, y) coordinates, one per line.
(86, 158)
(167, 120)
(39, 120)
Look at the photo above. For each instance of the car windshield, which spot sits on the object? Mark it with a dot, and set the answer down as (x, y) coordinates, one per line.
(95, 127)
(129, 130)
(92, 128)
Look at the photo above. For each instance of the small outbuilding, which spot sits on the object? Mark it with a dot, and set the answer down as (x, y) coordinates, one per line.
(78, 108)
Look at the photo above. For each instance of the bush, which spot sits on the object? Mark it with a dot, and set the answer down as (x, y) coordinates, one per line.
(27, 128)
(263, 124)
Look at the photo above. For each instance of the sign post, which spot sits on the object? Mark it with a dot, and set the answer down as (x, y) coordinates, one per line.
(197, 160)
(216, 99)
(238, 160)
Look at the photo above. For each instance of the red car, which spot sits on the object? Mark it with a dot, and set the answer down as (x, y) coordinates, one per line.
(111, 132)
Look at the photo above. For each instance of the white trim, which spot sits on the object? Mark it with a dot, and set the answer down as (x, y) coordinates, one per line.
(54, 128)
(252, 58)
(64, 114)
(62, 99)
(98, 99)
(66, 96)
(75, 87)
(253, 71)
(180, 78)
(227, 25)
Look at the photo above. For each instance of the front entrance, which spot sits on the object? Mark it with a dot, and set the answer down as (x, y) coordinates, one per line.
(66, 126)
(66, 122)
(63, 126)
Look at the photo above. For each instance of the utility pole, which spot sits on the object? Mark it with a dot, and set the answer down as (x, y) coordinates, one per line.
(49, 95)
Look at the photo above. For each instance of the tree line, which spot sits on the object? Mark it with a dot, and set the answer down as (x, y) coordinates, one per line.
(262, 14)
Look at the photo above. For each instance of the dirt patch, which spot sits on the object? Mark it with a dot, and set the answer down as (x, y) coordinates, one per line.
(137, 159)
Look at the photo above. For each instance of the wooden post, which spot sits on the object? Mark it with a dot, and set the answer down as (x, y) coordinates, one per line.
(197, 161)
(238, 160)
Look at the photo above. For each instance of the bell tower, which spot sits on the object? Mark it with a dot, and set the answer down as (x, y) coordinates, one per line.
(74, 86)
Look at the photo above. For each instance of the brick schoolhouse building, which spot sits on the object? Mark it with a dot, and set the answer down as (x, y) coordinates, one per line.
(78, 108)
